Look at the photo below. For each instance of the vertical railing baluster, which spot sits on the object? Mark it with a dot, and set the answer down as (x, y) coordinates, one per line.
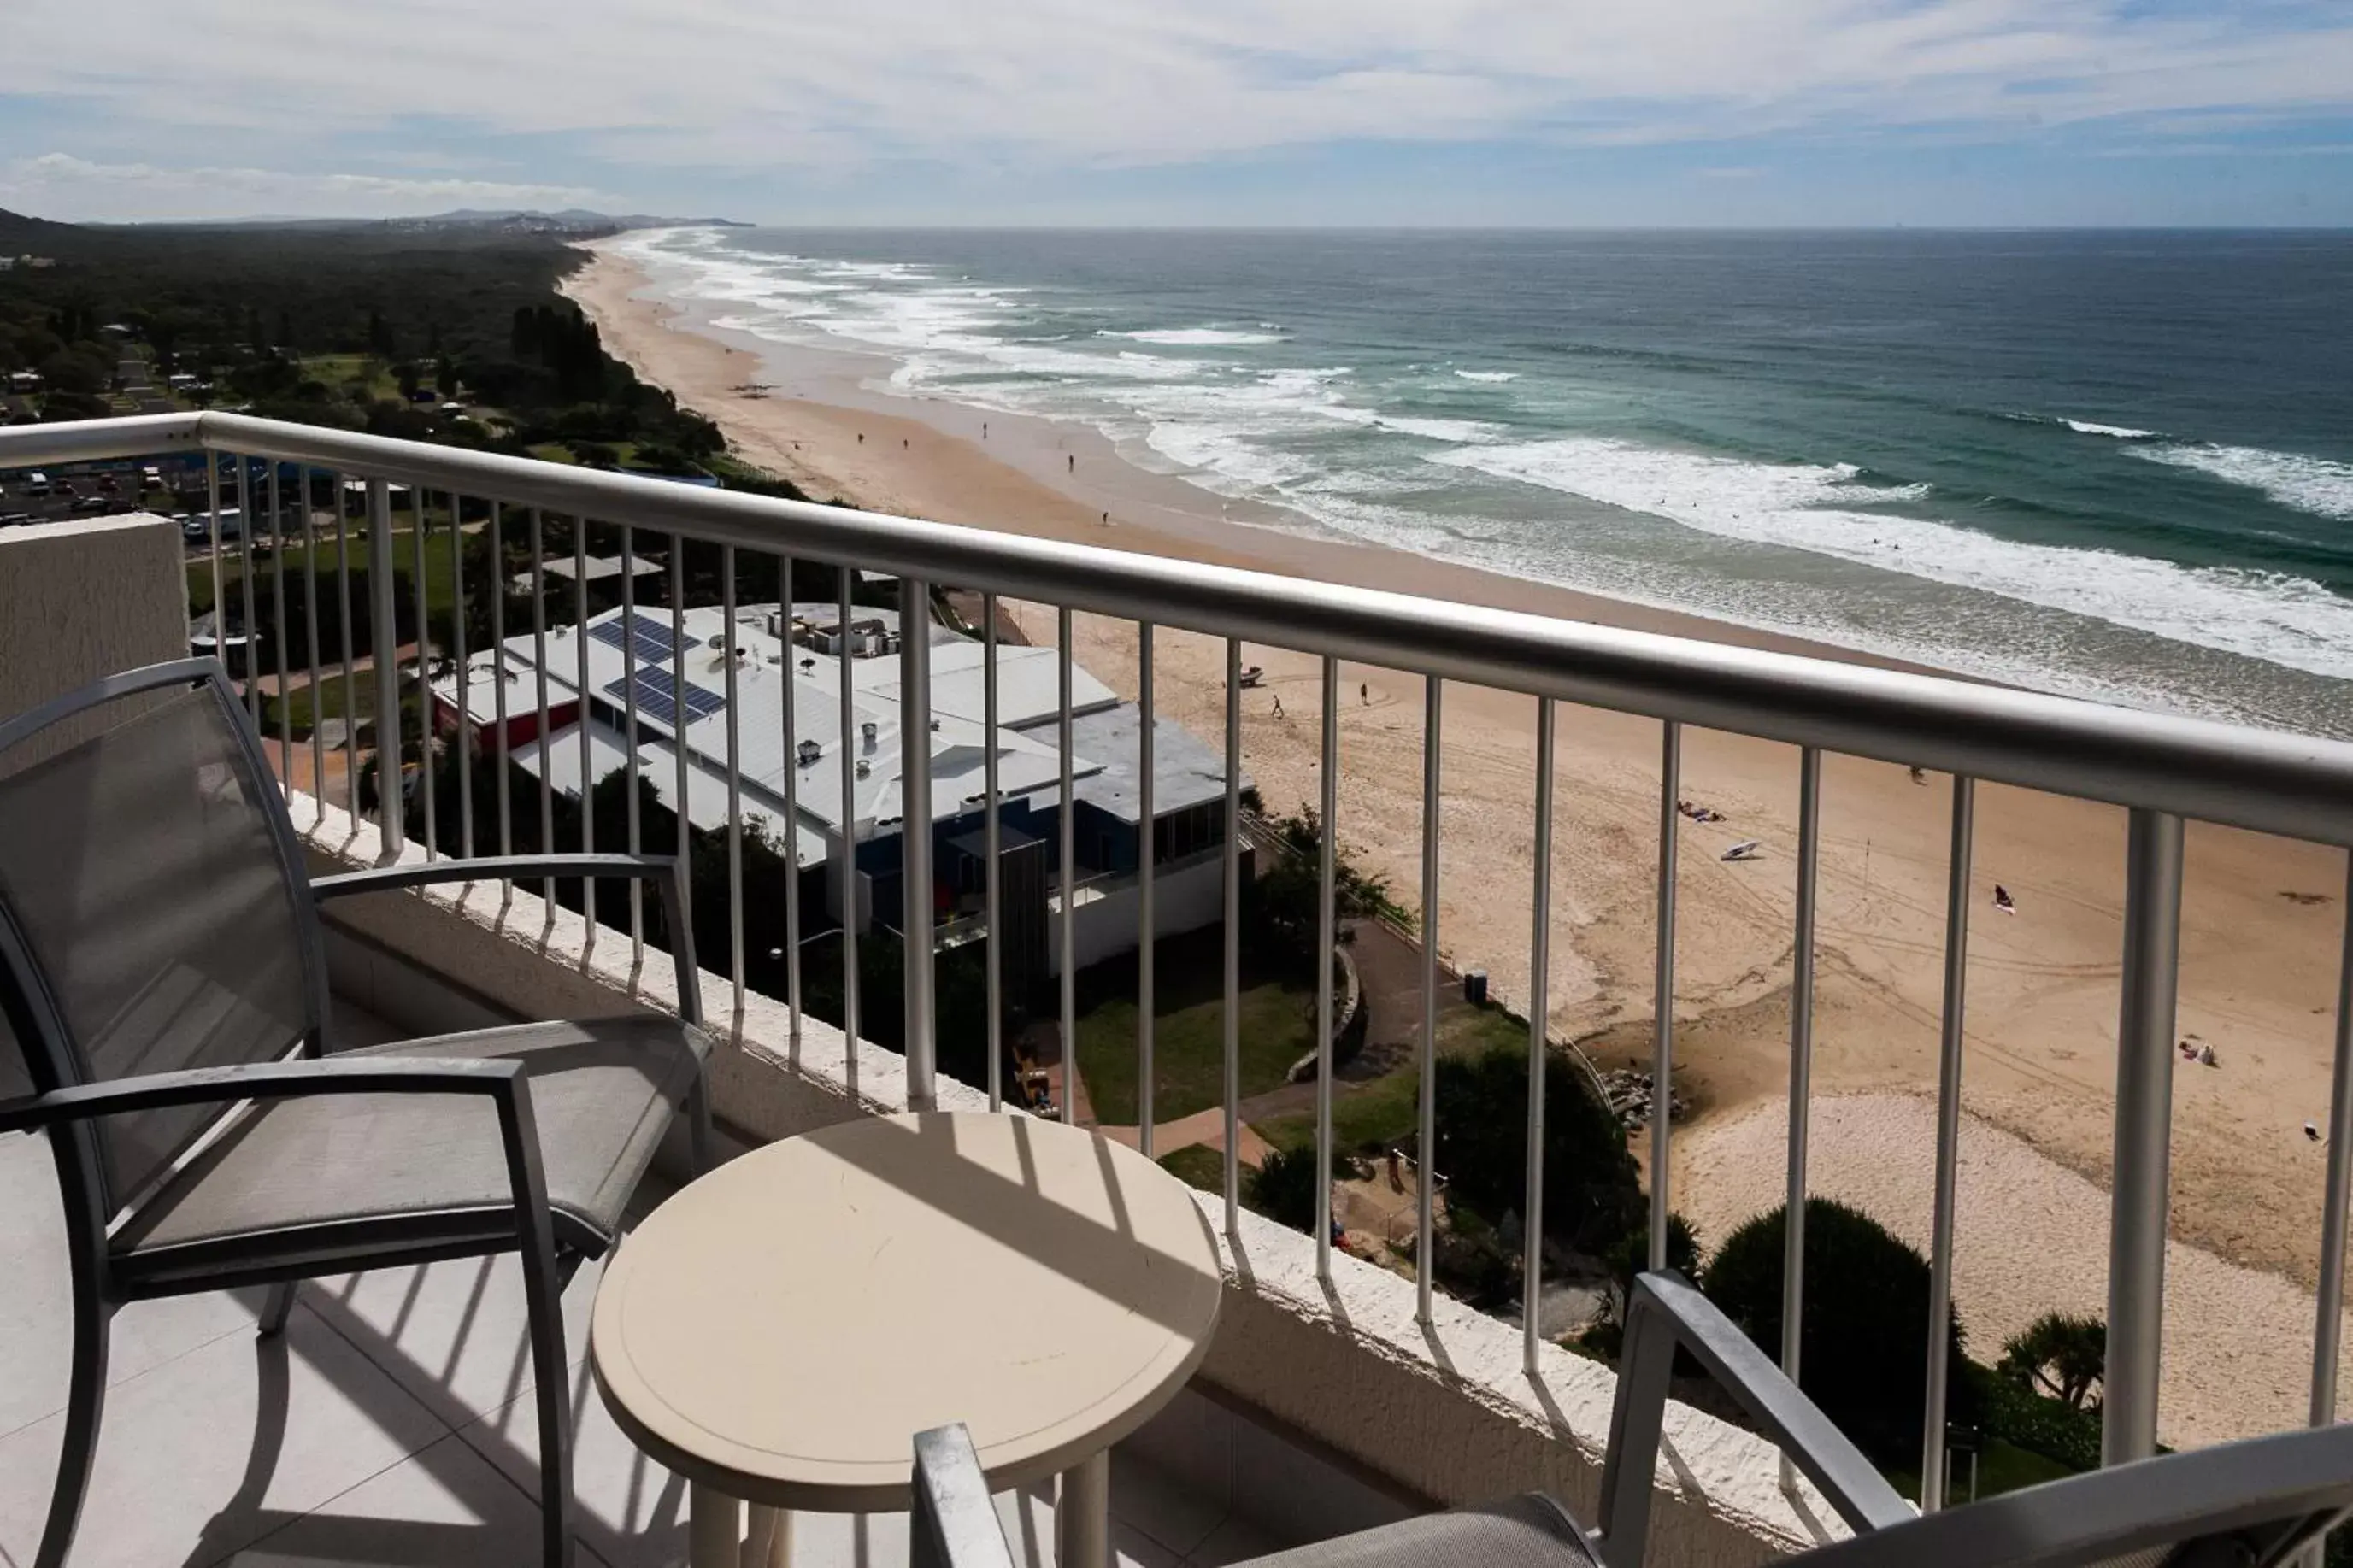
(278, 633)
(1066, 833)
(992, 835)
(1662, 998)
(1327, 949)
(499, 674)
(1801, 1072)
(588, 747)
(1145, 852)
(683, 842)
(1425, 1145)
(2328, 1323)
(1233, 1020)
(351, 702)
(464, 681)
(311, 644)
(384, 644)
(428, 776)
(1948, 1139)
(630, 730)
(915, 883)
(213, 556)
(728, 633)
(790, 729)
(1539, 1048)
(245, 520)
(2139, 1188)
(850, 753)
(544, 729)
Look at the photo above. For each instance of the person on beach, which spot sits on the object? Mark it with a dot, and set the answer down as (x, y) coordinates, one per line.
(983, 429)
(1363, 695)
(1074, 462)
(1278, 704)
(1919, 776)
(2003, 901)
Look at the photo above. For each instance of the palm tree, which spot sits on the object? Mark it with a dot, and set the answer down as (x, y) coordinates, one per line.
(2060, 1356)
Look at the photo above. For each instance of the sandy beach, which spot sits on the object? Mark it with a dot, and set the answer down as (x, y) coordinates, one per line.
(2261, 921)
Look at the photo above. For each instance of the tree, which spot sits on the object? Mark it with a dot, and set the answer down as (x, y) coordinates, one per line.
(2058, 1356)
(1283, 1187)
(1591, 1193)
(1632, 1255)
(1864, 1353)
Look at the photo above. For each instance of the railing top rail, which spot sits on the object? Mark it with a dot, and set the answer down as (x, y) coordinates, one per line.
(2269, 781)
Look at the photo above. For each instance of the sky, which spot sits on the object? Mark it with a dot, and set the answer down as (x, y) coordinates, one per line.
(1540, 113)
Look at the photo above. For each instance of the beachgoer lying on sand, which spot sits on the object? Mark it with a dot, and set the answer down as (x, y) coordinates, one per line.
(1920, 776)
(2206, 1057)
(2003, 901)
(2312, 1131)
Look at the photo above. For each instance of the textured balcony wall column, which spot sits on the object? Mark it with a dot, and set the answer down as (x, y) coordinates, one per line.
(84, 599)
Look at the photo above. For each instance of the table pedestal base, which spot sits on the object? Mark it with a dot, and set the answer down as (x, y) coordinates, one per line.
(716, 1537)
(1083, 1515)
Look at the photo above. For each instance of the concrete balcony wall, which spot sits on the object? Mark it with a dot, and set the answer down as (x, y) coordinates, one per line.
(1442, 1413)
(83, 599)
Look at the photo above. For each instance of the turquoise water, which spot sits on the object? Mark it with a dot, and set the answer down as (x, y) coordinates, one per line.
(2116, 465)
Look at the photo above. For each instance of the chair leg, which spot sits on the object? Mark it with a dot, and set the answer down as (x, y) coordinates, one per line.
(275, 1308)
(85, 1399)
(544, 1296)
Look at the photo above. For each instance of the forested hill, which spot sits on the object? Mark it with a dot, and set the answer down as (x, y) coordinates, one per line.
(361, 326)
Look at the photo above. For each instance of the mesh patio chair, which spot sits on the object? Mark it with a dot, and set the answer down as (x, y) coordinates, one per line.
(162, 975)
(2242, 1505)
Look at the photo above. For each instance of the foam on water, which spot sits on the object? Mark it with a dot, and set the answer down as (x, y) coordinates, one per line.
(2291, 479)
(1410, 453)
(1825, 511)
(1193, 336)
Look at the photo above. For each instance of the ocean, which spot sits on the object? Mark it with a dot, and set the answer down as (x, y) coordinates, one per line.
(2116, 465)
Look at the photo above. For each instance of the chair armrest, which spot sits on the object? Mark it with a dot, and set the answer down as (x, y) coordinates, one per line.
(953, 1525)
(502, 1081)
(663, 870)
(1667, 1314)
(261, 1081)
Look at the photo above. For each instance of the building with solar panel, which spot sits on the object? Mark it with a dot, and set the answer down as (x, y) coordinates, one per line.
(640, 684)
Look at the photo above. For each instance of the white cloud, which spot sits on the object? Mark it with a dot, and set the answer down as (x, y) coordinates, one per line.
(56, 184)
(754, 85)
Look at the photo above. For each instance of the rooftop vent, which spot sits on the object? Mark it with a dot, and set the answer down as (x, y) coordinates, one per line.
(808, 752)
(864, 767)
(866, 731)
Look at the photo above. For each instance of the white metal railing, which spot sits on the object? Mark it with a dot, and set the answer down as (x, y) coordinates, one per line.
(2161, 768)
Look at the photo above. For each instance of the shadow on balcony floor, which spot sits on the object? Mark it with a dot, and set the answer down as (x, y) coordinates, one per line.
(393, 1425)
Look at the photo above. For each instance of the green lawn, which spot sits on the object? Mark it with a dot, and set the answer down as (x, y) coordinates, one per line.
(1197, 1165)
(438, 581)
(1278, 1027)
(1364, 1116)
(2001, 1467)
(327, 698)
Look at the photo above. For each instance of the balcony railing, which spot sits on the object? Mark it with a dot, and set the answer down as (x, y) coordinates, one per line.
(2162, 769)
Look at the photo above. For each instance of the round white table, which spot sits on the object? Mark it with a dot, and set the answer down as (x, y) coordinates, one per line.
(780, 1331)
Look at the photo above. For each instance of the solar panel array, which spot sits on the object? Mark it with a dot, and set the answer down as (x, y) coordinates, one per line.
(650, 637)
(658, 698)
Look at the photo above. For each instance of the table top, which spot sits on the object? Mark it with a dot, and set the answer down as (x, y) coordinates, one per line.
(784, 1326)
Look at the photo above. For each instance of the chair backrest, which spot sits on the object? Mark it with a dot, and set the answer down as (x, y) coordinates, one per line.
(153, 911)
(2249, 1504)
